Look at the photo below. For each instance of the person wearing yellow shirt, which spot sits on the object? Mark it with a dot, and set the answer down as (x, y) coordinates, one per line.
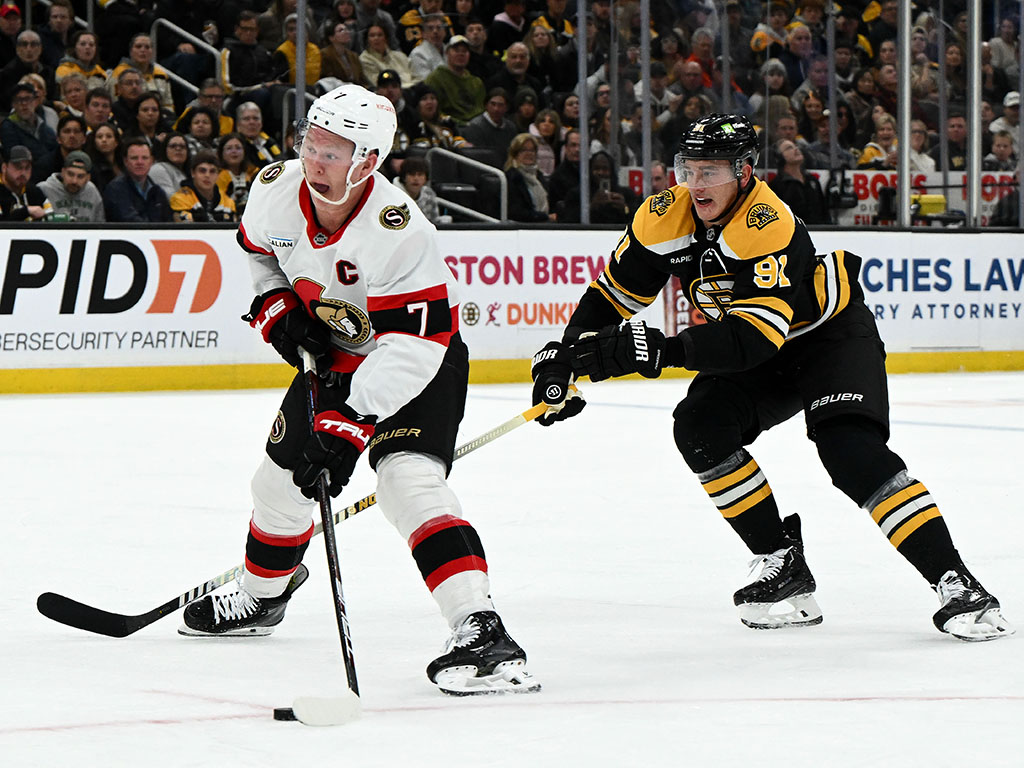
(200, 199)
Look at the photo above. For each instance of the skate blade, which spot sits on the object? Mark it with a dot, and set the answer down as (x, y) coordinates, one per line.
(795, 611)
(979, 626)
(187, 631)
(508, 677)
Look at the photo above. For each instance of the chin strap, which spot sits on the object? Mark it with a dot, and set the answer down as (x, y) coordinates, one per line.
(741, 195)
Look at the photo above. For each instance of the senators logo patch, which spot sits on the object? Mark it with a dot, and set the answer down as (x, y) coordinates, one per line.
(278, 429)
(661, 201)
(761, 215)
(395, 216)
(271, 172)
(344, 319)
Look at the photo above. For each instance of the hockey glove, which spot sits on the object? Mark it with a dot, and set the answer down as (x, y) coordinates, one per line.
(337, 440)
(284, 323)
(619, 351)
(552, 376)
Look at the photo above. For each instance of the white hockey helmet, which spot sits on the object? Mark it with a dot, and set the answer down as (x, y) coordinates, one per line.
(354, 113)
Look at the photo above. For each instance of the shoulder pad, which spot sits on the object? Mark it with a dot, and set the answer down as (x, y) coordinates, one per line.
(763, 225)
(662, 217)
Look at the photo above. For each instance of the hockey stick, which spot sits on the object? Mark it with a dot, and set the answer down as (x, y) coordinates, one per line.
(81, 616)
(332, 710)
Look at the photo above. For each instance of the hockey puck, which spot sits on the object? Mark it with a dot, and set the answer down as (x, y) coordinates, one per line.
(284, 713)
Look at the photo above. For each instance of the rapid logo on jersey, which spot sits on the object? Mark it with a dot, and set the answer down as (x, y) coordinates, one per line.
(271, 172)
(761, 215)
(661, 202)
(395, 216)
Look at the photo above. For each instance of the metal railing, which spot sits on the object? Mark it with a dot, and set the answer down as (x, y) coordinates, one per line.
(483, 168)
(199, 43)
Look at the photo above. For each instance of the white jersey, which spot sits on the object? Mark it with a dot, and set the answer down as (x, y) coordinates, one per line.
(379, 282)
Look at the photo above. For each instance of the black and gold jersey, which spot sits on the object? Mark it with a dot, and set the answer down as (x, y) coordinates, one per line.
(756, 279)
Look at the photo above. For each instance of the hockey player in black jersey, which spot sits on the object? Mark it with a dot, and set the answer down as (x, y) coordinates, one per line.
(787, 331)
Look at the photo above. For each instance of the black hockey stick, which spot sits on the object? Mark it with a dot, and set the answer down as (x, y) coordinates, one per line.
(81, 616)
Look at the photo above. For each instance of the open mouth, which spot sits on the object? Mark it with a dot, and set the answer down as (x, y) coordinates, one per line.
(703, 202)
(321, 188)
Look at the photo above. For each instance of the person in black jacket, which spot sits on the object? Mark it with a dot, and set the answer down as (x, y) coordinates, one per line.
(133, 196)
(527, 196)
(799, 190)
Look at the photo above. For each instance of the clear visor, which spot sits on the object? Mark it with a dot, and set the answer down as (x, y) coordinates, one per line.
(326, 161)
(692, 172)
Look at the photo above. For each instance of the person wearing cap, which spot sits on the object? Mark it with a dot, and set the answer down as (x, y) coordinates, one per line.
(1010, 120)
(26, 128)
(429, 54)
(10, 26)
(460, 93)
(71, 192)
(426, 126)
(377, 56)
(20, 199)
(337, 59)
(410, 24)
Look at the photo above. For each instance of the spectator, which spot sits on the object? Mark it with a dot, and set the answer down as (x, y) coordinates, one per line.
(844, 61)
(71, 193)
(117, 22)
(413, 180)
(609, 203)
(247, 65)
(566, 175)
(660, 96)
(739, 43)
(23, 127)
(425, 126)
(693, 107)
(429, 54)
(524, 109)
(148, 122)
(514, 75)
(919, 159)
(200, 200)
(659, 177)
(816, 80)
(994, 83)
(570, 110)
(1006, 49)
(769, 38)
(1002, 157)
(862, 100)
(25, 62)
(690, 82)
(368, 14)
(884, 27)
(41, 106)
(20, 199)
(811, 110)
(702, 51)
(103, 145)
(668, 48)
(547, 129)
(956, 143)
(956, 73)
(799, 190)
(284, 57)
(796, 57)
(1010, 121)
(211, 95)
(237, 171)
(98, 108)
(10, 26)
(132, 196)
(819, 153)
(201, 130)
(84, 60)
(273, 25)
(412, 23)
(492, 129)
(553, 19)
(482, 61)
(527, 197)
(880, 152)
(632, 136)
(540, 42)
(886, 54)
(130, 88)
(460, 93)
(377, 56)
(600, 141)
(153, 76)
(259, 147)
(785, 127)
(508, 27)
(55, 34)
(343, 12)
(172, 169)
(72, 96)
(337, 59)
(70, 138)
(464, 13)
(774, 82)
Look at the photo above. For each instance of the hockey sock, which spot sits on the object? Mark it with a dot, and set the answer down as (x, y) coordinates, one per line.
(741, 492)
(273, 558)
(905, 511)
(445, 546)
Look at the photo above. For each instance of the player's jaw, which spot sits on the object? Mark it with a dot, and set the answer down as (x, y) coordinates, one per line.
(712, 202)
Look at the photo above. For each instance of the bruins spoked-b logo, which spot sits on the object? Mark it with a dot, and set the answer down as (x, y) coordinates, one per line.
(761, 215)
(661, 202)
(395, 216)
(277, 430)
(271, 172)
(712, 295)
(344, 319)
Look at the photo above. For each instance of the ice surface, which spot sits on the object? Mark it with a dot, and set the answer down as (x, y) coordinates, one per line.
(608, 564)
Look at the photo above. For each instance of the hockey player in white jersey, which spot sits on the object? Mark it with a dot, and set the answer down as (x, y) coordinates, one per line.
(346, 267)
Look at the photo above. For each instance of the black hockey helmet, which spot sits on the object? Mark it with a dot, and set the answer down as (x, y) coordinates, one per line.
(719, 137)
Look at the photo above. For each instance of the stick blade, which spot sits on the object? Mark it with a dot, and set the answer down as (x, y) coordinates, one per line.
(81, 616)
(314, 710)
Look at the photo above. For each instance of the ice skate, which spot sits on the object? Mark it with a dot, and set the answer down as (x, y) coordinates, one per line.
(781, 592)
(239, 613)
(481, 658)
(968, 612)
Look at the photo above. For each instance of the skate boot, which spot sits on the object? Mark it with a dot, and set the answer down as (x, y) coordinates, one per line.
(968, 612)
(780, 593)
(238, 613)
(480, 657)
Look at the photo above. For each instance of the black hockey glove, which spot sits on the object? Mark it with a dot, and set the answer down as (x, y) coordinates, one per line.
(337, 440)
(552, 375)
(618, 351)
(284, 323)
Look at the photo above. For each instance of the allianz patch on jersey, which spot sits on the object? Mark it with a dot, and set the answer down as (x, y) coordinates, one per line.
(661, 202)
(271, 172)
(395, 216)
(761, 215)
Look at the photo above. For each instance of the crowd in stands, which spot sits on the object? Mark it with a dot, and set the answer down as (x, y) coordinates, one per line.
(97, 129)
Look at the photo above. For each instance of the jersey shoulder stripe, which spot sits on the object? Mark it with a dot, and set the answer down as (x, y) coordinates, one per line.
(762, 225)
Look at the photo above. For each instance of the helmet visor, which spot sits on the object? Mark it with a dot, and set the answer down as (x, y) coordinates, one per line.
(703, 172)
(326, 159)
